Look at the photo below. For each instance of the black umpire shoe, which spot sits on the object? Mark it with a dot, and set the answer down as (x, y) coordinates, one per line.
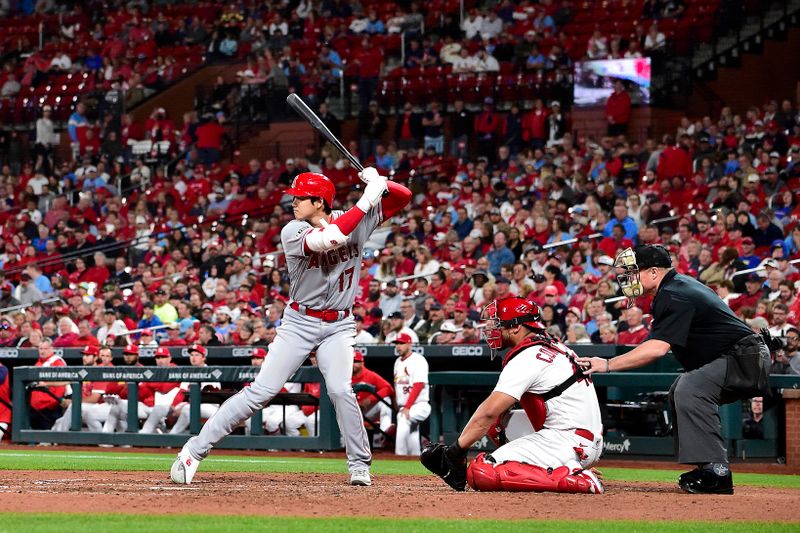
(714, 478)
(689, 476)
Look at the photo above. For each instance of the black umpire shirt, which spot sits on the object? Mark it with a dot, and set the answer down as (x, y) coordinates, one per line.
(697, 324)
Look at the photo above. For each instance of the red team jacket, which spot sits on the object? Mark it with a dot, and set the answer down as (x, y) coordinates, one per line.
(42, 401)
(382, 387)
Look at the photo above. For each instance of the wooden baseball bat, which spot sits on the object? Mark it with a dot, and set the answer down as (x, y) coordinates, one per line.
(297, 103)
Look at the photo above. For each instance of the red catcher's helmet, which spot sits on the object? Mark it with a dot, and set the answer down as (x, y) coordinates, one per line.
(507, 313)
(313, 184)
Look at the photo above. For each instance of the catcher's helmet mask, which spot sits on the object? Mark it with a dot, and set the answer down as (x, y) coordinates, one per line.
(508, 313)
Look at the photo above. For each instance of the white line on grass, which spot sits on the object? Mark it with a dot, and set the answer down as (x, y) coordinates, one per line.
(155, 458)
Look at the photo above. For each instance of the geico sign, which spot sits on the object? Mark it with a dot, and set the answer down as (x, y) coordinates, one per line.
(9, 353)
(241, 352)
(460, 351)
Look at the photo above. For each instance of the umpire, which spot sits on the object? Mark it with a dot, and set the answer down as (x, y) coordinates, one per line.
(723, 360)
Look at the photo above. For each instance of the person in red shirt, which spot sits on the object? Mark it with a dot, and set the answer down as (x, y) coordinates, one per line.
(534, 125)
(209, 140)
(369, 62)
(439, 288)
(637, 332)
(486, 127)
(617, 241)
(618, 110)
(673, 161)
(754, 285)
(48, 397)
(5, 401)
(85, 337)
(374, 393)
(167, 391)
(67, 334)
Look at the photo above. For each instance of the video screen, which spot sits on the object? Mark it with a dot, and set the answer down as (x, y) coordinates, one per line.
(594, 80)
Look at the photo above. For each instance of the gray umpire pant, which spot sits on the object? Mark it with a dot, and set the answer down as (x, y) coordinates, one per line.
(695, 398)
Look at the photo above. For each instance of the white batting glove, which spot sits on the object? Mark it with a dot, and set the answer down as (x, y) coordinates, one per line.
(327, 238)
(369, 174)
(372, 194)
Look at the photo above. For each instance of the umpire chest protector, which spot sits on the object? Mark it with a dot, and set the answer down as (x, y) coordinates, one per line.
(534, 404)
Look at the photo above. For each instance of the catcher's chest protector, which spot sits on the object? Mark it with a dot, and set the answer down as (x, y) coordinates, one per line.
(534, 404)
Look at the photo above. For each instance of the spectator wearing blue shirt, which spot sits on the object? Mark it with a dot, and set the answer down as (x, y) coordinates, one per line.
(748, 256)
(39, 280)
(463, 224)
(374, 24)
(791, 244)
(93, 181)
(500, 254)
(621, 217)
(544, 23)
(40, 242)
(329, 59)
(535, 60)
(77, 120)
(149, 320)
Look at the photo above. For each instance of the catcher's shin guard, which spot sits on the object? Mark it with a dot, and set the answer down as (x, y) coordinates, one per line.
(513, 476)
(482, 475)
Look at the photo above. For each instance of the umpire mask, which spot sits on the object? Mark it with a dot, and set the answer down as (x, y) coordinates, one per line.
(628, 275)
(629, 263)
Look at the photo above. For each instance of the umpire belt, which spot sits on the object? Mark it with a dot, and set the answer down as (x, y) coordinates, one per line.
(326, 315)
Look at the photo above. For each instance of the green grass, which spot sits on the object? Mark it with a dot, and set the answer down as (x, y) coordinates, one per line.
(121, 523)
(221, 462)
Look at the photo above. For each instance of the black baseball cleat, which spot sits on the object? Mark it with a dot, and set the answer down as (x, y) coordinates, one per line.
(689, 476)
(712, 479)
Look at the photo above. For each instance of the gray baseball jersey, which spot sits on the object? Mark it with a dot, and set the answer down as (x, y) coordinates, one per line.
(320, 281)
(326, 280)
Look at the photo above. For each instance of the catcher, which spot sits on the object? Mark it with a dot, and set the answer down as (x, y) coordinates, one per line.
(560, 402)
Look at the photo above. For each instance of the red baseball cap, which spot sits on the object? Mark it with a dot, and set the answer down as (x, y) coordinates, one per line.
(131, 348)
(551, 289)
(358, 357)
(403, 338)
(162, 351)
(147, 332)
(91, 350)
(461, 306)
(258, 353)
(591, 278)
(199, 348)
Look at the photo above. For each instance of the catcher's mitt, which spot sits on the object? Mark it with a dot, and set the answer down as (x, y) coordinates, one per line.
(447, 462)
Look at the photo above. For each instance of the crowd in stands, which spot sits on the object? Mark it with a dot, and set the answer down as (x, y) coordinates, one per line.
(125, 245)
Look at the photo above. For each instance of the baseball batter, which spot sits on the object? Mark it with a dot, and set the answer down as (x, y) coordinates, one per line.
(540, 373)
(412, 394)
(323, 255)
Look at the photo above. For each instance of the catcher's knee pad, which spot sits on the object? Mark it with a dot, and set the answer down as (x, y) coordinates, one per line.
(481, 475)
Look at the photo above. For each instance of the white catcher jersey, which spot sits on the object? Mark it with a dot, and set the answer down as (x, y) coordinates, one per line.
(539, 369)
(326, 280)
(414, 369)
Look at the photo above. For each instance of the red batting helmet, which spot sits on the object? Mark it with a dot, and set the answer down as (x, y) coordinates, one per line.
(507, 313)
(313, 184)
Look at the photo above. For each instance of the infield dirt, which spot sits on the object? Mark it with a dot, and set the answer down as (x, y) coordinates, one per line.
(390, 496)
